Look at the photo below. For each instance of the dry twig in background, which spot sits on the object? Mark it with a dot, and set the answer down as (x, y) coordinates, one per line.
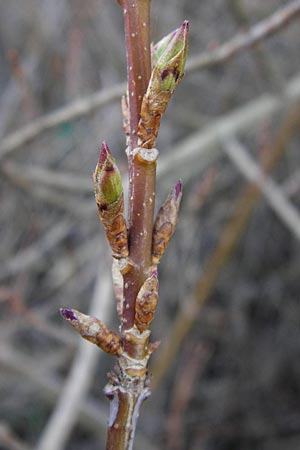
(80, 376)
(229, 237)
(272, 193)
(99, 99)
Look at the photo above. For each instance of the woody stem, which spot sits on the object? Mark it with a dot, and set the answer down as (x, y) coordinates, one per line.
(141, 175)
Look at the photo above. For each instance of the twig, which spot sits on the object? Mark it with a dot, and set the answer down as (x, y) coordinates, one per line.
(257, 33)
(33, 318)
(72, 111)
(204, 143)
(11, 98)
(292, 185)
(30, 256)
(272, 193)
(205, 60)
(67, 409)
(197, 356)
(9, 440)
(203, 147)
(52, 178)
(226, 245)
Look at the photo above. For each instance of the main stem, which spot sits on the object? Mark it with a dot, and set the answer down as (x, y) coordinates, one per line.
(128, 392)
(141, 175)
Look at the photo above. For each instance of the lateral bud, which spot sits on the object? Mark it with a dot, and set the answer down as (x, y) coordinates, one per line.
(110, 201)
(146, 302)
(93, 330)
(165, 223)
(166, 74)
(159, 48)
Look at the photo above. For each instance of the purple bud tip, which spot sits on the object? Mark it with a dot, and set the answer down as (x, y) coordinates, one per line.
(68, 314)
(154, 273)
(185, 25)
(178, 189)
(104, 151)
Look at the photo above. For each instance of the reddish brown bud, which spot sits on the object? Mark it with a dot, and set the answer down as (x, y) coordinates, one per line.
(165, 222)
(93, 330)
(146, 302)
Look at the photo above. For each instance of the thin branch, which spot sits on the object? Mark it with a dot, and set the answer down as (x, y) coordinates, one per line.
(52, 178)
(272, 193)
(86, 105)
(225, 246)
(36, 252)
(73, 111)
(248, 39)
(292, 185)
(205, 142)
(32, 317)
(188, 373)
(9, 440)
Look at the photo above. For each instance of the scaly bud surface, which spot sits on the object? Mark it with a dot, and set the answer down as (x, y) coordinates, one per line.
(93, 330)
(109, 198)
(165, 222)
(146, 302)
(165, 76)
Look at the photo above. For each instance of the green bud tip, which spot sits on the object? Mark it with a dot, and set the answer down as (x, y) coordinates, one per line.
(107, 176)
(172, 60)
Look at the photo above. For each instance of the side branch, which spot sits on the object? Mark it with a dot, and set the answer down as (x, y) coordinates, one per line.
(241, 41)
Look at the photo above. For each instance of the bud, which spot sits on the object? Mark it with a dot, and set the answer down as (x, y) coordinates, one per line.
(158, 49)
(173, 58)
(165, 76)
(93, 330)
(165, 222)
(146, 302)
(109, 198)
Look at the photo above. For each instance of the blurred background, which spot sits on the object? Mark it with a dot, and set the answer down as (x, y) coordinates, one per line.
(227, 374)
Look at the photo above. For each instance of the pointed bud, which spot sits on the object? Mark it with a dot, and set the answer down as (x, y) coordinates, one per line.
(146, 302)
(107, 179)
(93, 330)
(165, 222)
(158, 49)
(172, 60)
(109, 198)
(165, 76)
